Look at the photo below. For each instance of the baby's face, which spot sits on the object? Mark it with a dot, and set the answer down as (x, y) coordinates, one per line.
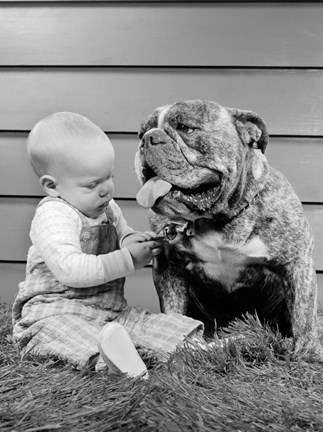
(85, 179)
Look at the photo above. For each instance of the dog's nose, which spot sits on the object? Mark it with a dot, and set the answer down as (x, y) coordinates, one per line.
(153, 137)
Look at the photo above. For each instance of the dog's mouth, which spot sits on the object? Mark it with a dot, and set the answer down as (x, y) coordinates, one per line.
(155, 188)
(201, 199)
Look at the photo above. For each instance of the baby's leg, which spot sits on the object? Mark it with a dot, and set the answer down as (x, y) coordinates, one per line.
(159, 334)
(68, 337)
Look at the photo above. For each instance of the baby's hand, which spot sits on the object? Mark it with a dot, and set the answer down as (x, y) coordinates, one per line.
(142, 251)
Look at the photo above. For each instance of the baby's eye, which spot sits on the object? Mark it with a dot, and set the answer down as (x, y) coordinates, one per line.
(91, 186)
(183, 128)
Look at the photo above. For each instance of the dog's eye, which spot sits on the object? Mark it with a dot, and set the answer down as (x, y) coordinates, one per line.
(183, 128)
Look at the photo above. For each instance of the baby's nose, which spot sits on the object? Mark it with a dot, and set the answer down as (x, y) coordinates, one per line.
(105, 188)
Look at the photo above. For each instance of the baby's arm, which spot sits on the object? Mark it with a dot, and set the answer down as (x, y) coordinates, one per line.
(55, 234)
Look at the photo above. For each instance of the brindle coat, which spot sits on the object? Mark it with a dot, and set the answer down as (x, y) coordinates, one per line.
(253, 247)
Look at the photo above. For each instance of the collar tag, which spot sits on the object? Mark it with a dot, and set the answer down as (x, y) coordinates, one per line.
(173, 229)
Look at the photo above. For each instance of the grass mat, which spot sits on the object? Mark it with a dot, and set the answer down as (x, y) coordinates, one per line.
(250, 385)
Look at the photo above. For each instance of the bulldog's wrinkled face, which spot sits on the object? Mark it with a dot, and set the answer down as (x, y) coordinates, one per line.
(195, 148)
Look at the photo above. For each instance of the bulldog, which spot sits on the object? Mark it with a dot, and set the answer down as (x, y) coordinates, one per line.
(237, 240)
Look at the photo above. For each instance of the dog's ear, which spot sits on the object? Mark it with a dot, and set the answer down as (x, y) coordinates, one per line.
(251, 128)
(150, 122)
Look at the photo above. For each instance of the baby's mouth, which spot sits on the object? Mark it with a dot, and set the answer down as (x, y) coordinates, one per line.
(104, 205)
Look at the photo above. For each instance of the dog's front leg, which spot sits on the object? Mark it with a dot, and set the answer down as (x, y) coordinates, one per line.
(170, 284)
(302, 305)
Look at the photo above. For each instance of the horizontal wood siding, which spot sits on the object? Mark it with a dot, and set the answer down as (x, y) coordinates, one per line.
(24, 182)
(115, 61)
(16, 215)
(191, 34)
(139, 289)
(290, 101)
(299, 159)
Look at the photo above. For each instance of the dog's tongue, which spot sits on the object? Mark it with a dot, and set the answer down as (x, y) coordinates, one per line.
(153, 189)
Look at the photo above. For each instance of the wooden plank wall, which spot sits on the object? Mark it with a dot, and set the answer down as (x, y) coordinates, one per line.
(116, 61)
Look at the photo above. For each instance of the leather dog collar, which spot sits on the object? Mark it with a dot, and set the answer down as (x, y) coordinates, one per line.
(174, 228)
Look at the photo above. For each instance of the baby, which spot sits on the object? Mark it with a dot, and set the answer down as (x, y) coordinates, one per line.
(71, 304)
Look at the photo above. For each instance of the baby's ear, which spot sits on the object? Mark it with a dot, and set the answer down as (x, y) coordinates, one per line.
(251, 128)
(49, 185)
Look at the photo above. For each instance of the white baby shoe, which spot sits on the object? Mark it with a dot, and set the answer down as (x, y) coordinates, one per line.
(118, 351)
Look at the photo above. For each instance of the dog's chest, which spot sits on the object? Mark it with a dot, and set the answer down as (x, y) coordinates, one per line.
(224, 261)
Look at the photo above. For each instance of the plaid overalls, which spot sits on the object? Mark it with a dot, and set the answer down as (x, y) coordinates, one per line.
(50, 319)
